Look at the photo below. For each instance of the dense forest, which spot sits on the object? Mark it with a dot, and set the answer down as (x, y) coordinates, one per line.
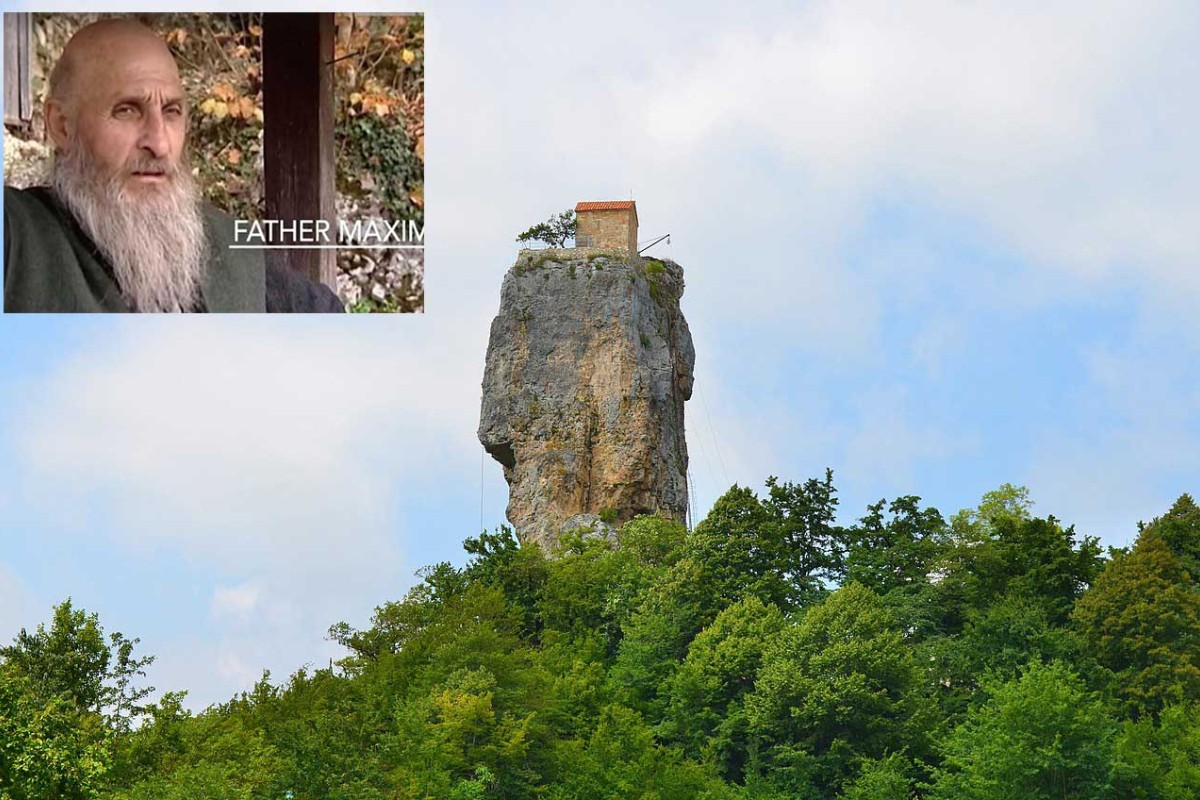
(768, 653)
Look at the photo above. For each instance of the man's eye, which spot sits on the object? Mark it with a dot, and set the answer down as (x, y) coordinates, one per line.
(173, 111)
(124, 111)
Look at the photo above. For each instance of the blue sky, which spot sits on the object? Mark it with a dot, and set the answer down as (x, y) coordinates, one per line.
(935, 251)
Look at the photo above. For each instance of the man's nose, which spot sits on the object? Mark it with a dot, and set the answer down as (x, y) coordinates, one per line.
(154, 135)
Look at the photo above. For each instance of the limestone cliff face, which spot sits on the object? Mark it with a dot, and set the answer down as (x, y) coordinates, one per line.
(588, 367)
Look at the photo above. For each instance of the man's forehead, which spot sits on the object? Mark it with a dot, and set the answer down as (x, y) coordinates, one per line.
(139, 80)
(135, 59)
(134, 81)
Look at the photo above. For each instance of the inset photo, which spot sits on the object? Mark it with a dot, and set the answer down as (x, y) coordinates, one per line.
(220, 162)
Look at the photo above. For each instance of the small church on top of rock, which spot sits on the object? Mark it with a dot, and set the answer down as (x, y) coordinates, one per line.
(610, 224)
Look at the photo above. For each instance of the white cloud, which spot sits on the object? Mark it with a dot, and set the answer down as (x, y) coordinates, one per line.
(270, 454)
(236, 601)
(1063, 135)
(1042, 121)
(252, 444)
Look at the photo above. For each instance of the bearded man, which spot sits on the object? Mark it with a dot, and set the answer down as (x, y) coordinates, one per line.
(122, 226)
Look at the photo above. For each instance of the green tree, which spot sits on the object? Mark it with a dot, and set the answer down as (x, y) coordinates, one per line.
(594, 585)
(838, 687)
(811, 548)
(517, 569)
(1001, 594)
(1040, 736)
(882, 779)
(1142, 621)
(657, 636)
(73, 660)
(1180, 529)
(221, 755)
(556, 231)
(781, 551)
(1159, 759)
(737, 548)
(1037, 559)
(1006, 502)
(395, 623)
(1000, 640)
(50, 748)
(578, 597)
(621, 760)
(896, 556)
(705, 711)
(896, 553)
(784, 549)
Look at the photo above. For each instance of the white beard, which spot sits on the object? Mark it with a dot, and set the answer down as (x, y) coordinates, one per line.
(154, 240)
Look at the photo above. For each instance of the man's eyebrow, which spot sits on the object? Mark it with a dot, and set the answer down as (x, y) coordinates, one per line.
(147, 99)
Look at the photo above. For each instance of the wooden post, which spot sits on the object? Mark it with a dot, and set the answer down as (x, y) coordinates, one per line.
(18, 52)
(298, 133)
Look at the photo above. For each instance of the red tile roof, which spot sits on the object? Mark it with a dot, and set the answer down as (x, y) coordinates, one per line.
(605, 205)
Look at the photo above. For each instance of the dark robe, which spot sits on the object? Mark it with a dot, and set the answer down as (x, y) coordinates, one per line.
(50, 265)
(290, 292)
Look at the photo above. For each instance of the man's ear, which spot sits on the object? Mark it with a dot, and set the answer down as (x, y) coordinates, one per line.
(57, 124)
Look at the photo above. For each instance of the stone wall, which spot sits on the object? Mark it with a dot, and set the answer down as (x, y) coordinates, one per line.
(608, 229)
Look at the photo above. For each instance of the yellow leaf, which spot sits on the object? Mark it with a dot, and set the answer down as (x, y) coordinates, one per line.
(223, 91)
(408, 56)
(220, 110)
(207, 106)
(356, 98)
(255, 30)
(247, 105)
(258, 115)
(234, 156)
(420, 149)
(381, 109)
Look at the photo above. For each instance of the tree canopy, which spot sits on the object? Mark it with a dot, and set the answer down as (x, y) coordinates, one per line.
(555, 232)
(772, 652)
